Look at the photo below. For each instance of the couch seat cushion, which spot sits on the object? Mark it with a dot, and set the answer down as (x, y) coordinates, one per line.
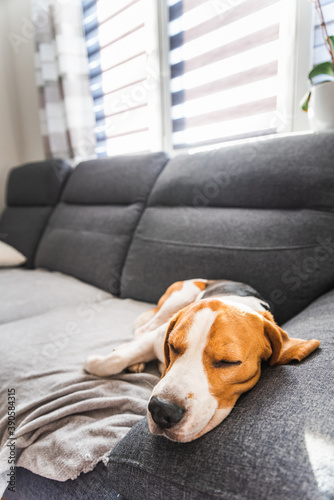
(67, 420)
(25, 293)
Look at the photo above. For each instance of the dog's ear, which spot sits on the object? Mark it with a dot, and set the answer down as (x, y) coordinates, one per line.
(166, 346)
(283, 348)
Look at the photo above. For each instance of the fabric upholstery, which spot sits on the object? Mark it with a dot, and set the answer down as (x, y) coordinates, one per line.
(25, 293)
(277, 442)
(32, 191)
(90, 231)
(92, 485)
(260, 212)
(37, 184)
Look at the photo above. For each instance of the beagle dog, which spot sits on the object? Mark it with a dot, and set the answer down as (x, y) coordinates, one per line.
(210, 338)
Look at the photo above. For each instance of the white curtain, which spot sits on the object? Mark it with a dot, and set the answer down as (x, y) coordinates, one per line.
(66, 107)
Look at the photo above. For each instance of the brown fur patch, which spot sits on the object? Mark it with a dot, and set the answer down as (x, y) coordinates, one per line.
(234, 336)
(241, 339)
(201, 285)
(284, 349)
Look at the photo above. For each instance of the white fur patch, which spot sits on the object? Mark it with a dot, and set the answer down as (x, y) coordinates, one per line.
(175, 302)
(247, 304)
(187, 375)
(179, 299)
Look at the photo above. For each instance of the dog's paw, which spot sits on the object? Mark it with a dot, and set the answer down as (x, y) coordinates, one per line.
(96, 365)
(102, 366)
(91, 363)
(137, 368)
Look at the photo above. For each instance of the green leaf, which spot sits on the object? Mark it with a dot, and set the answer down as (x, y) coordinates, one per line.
(331, 41)
(325, 68)
(305, 100)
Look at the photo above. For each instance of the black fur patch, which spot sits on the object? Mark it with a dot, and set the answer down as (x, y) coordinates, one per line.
(226, 287)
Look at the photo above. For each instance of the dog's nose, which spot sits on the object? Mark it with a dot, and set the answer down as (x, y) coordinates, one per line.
(164, 413)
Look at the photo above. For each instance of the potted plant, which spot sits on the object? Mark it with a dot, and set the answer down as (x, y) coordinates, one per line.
(319, 100)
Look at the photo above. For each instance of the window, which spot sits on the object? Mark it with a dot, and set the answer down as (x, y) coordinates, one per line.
(182, 74)
(224, 66)
(320, 53)
(124, 74)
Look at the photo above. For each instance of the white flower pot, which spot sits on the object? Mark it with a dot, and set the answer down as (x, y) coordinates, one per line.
(321, 106)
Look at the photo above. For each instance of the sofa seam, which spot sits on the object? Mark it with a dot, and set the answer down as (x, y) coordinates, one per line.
(225, 247)
(138, 200)
(58, 228)
(145, 206)
(54, 206)
(326, 210)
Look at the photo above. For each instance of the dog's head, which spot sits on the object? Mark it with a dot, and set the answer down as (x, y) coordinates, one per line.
(213, 353)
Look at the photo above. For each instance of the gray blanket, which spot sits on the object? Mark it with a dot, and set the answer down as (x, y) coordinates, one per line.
(67, 421)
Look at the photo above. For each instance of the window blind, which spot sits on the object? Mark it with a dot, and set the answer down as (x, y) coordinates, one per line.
(122, 78)
(320, 53)
(223, 57)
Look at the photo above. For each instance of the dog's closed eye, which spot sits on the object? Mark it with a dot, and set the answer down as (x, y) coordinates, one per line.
(174, 349)
(225, 364)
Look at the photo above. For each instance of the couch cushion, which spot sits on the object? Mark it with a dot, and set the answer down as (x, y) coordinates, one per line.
(37, 183)
(92, 485)
(259, 211)
(10, 257)
(32, 191)
(277, 442)
(25, 293)
(67, 420)
(89, 233)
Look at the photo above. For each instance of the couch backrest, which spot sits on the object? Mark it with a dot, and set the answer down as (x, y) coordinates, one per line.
(259, 211)
(33, 190)
(90, 231)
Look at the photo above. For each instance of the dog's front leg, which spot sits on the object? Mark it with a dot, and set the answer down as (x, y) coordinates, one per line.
(176, 297)
(142, 350)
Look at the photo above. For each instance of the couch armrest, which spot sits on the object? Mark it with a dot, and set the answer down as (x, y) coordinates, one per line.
(276, 443)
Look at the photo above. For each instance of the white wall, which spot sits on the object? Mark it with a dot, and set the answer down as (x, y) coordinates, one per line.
(20, 138)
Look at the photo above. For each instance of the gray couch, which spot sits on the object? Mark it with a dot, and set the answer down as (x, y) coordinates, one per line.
(118, 231)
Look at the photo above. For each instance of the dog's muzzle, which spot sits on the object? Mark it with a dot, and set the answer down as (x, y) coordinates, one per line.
(164, 413)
